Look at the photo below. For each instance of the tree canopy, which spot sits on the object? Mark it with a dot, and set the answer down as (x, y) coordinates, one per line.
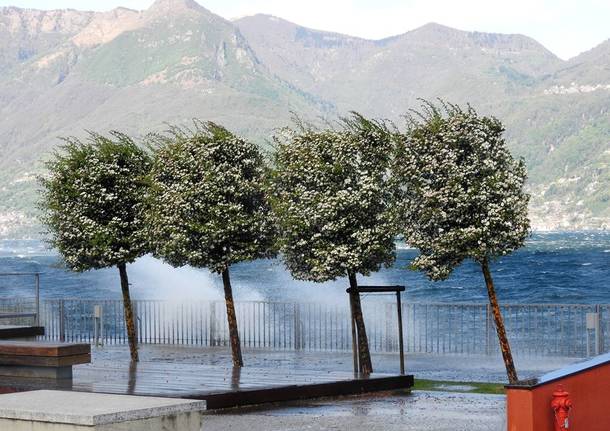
(92, 201)
(333, 196)
(334, 199)
(207, 206)
(463, 198)
(463, 191)
(92, 205)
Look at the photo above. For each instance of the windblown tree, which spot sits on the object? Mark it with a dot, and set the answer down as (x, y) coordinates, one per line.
(464, 198)
(207, 207)
(334, 204)
(92, 207)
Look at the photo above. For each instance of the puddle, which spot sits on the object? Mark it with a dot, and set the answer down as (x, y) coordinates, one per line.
(455, 388)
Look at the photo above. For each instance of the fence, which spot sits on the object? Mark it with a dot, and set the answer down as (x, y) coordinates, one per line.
(464, 329)
(20, 310)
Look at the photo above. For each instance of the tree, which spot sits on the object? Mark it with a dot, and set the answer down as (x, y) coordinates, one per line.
(333, 201)
(463, 197)
(207, 206)
(92, 207)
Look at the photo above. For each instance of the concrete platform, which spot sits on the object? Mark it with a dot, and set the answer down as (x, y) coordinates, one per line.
(221, 387)
(41, 360)
(72, 411)
(54, 373)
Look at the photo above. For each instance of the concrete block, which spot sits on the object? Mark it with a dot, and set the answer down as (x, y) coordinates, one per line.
(80, 411)
(56, 373)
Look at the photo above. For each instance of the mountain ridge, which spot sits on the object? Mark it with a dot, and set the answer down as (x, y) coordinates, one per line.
(137, 70)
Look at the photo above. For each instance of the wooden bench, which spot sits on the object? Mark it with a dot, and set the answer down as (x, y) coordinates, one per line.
(41, 359)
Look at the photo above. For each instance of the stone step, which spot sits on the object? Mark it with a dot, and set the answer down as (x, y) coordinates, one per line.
(55, 410)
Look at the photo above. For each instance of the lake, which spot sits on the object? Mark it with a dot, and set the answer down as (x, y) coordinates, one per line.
(556, 267)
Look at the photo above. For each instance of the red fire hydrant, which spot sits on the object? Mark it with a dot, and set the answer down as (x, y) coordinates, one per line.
(561, 405)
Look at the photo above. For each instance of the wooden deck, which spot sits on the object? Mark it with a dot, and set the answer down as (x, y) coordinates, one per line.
(12, 331)
(221, 387)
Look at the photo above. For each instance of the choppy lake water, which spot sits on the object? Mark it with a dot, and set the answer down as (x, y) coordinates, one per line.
(553, 268)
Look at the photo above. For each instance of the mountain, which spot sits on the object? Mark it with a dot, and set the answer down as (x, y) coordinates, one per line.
(66, 71)
(133, 71)
(572, 166)
(25, 34)
(387, 76)
(555, 111)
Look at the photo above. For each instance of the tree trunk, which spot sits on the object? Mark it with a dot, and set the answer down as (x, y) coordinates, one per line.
(235, 378)
(133, 378)
(364, 355)
(504, 346)
(129, 317)
(232, 320)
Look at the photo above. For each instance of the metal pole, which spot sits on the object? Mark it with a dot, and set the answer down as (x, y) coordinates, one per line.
(597, 330)
(602, 347)
(400, 340)
(487, 329)
(37, 279)
(212, 324)
(354, 337)
(62, 328)
(297, 327)
(96, 335)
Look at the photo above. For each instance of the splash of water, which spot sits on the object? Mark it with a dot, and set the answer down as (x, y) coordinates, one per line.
(154, 279)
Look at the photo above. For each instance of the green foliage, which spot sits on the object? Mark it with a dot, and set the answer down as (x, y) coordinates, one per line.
(463, 192)
(207, 206)
(514, 76)
(92, 201)
(464, 387)
(334, 200)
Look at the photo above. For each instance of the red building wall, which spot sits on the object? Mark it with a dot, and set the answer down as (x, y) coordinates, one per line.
(529, 407)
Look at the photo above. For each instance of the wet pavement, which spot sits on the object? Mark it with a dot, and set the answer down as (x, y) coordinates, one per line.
(420, 411)
(423, 366)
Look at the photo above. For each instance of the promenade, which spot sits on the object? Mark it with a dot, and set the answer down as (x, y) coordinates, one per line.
(419, 411)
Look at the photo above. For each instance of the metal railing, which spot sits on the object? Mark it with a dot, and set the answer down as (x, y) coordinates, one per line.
(559, 330)
(21, 311)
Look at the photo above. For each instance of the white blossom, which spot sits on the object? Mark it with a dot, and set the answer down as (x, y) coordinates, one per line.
(92, 201)
(334, 200)
(463, 194)
(207, 206)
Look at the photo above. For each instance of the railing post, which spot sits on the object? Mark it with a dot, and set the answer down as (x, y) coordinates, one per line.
(62, 327)
(389, 345)
(597, 330)
(400, 340)
(602, 347)
(212, 324)
(354, 338)
(37, 282)
(297, 327)
(593, 323)
(488, 329)
(137, 321)
(98, 325)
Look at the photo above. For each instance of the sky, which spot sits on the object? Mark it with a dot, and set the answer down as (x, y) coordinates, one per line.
(566, 27)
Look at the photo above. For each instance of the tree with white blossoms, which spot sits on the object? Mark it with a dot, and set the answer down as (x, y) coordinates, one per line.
(333, 201)
(207, 206)
(92, 206)
(463, 197)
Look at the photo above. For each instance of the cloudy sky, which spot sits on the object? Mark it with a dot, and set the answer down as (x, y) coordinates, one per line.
(566, 27)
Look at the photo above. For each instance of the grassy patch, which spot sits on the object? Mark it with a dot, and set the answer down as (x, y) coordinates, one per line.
(464, 387)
